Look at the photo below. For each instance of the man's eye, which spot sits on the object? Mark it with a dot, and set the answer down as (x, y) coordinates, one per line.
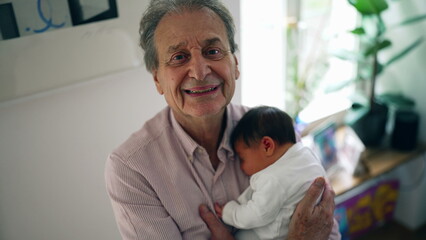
(178, 58)
(214, 53)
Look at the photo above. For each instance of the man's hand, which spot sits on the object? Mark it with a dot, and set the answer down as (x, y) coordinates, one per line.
(311, 221)
(219, 209)
(218, 230)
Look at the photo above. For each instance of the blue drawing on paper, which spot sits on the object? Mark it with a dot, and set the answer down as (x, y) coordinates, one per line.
(46, 18)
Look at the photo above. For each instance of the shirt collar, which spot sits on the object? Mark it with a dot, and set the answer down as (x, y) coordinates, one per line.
(225, 144)
(190, 145)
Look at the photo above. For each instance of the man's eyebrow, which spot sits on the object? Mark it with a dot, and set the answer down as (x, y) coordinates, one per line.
(207, 42)
(211, 41)
(174, 48)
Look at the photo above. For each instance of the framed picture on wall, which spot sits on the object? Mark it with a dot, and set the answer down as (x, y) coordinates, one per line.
(20, 18)
(87, 11)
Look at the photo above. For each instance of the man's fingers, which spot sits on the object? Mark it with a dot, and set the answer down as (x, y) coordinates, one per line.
(313, 193)
(327, 205)
(327, 201)
(218, 210)
(217, 229)
(209, 218)
(312, 221)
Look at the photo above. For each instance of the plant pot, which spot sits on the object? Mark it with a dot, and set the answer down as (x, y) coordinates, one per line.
(368, 124)
(405, 130)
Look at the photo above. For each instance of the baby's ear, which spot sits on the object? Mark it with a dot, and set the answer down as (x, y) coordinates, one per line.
(268, 144)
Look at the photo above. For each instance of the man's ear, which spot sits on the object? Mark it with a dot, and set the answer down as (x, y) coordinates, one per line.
(268, 145)
(157, 82)
(237, 71)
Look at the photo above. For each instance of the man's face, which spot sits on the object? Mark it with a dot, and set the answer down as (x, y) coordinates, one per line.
(196, 71)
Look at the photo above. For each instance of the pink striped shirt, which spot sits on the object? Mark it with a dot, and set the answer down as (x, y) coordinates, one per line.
(159, 176)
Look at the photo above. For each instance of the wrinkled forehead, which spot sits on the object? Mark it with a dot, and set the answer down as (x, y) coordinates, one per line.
(190, 27)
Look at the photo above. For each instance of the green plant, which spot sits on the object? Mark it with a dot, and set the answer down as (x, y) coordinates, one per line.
(373, 40)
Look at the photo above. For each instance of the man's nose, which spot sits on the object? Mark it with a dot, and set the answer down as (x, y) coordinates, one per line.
(199, 67)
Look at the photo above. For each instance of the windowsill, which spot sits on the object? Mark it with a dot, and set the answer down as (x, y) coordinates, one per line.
(376, 161)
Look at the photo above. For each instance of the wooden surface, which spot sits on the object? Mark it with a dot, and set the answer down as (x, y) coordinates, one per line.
(375, 162)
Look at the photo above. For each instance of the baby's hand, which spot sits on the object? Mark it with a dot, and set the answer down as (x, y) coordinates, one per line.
(218, 208)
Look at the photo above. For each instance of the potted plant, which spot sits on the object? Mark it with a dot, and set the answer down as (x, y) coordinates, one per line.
(369, 118)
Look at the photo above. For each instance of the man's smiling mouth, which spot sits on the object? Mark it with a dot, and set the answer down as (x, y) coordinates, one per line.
(201, 91)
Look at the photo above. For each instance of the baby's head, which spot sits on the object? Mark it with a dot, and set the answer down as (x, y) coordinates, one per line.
(261, 137)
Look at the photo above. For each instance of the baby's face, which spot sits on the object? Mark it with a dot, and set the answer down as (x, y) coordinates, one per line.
(252, 158)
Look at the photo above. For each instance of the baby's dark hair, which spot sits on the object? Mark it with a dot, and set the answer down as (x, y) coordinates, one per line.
(264, 121)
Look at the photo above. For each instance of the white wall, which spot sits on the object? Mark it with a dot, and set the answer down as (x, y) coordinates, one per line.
(407, 76)
(58, 124)
(53, 149)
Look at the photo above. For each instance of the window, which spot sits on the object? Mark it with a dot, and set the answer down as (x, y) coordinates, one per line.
(262, 52)
(286, 53)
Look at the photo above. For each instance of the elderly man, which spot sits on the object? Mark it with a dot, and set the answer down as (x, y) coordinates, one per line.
(164, 180)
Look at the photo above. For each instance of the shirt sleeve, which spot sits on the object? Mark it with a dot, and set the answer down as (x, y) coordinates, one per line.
(261, 209)
(138, 211)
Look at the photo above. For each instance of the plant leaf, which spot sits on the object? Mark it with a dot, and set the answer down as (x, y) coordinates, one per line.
(346, 55)
(381, 27)
(380, 68)
(376, 48)
(368, 7)
(398, 100)
(358, 31)
(405, 51)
